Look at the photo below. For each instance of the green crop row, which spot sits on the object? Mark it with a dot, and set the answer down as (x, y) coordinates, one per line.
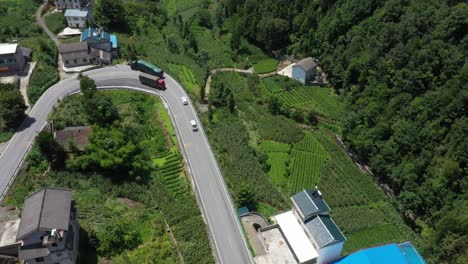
(320, 100)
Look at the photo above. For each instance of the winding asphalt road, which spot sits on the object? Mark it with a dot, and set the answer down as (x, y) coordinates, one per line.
(213, 197)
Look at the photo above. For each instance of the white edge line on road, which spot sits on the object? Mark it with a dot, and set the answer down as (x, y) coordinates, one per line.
(220, 177)
(180, 145)
(223, 184)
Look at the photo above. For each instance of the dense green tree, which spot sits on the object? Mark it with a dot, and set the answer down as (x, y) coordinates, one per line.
(118, 235)
(11, 107)
(87, 87)
(52, 151)
(113, 151)
(110, 14)
(245, 196)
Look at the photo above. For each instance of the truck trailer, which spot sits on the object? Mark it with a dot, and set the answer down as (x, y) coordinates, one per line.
(146, 67)
(152, 81)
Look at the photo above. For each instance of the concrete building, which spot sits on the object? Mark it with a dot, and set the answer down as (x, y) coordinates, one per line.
(76, 4)
(81, 54)
(12, 60)
(75, 54)
(304, 70)
(76, 18)
(97, 39)
(48, 230)
(308, 230)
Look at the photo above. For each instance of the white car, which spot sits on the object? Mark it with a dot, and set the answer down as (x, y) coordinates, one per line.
(193, 124)
(184, 100)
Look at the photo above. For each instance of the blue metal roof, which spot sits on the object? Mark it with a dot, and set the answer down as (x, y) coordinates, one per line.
(389, 254)
(242, 211)
(113, 39)
(93, 33)
(76, 13)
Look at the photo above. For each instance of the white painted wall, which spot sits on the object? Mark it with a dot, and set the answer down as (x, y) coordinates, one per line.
(330, 253)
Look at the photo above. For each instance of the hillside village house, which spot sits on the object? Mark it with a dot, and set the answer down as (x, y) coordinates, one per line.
(304, 70)
(76, 18)
(48, 229)
(76, 4)
(95, 47)
(310, 233)
(100, 40)
(75, 54)
(12, 59)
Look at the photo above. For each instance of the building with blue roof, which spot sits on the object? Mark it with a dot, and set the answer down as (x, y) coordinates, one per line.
(101, 40)
(404, 253)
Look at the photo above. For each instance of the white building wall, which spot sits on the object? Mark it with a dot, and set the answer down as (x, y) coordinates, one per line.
(330, 253)
(76, 22)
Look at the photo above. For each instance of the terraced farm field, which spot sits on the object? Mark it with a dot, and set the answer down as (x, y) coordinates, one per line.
(320, 100)
(171, 169)
(278, 157)
(378, 235)
(186, 77)
(271, 85)
(307, 159)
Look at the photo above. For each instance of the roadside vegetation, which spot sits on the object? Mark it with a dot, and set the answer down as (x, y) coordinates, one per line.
(12, 109)
(55, 22)
(146, 212)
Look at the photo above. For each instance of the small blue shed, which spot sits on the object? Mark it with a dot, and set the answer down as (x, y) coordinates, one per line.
(304, 70)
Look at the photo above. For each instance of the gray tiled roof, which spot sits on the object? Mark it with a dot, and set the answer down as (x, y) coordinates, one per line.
(309, 203)
(307, 64)
(45, 210)
(33, 253)
(324, 230)
(73, 47)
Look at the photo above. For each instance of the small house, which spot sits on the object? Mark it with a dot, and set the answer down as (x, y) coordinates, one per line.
(76, 136)
(97, 39)
(12, 60)
(304, 70)
(76, 18)
(75, 54)
(75, 4)
(48, 229)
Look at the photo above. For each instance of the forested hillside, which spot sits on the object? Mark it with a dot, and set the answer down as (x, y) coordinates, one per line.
(401, 68)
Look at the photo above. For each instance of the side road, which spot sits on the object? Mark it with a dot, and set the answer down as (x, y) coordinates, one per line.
(213, 197)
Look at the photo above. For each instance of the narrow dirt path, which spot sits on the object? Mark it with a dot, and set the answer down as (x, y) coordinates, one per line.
(42, 24)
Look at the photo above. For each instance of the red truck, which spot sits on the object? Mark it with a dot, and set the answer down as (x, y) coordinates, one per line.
(152, 81)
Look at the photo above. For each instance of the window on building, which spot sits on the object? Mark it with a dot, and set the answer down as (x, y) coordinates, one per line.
(85, 60)
(75, 61)
(67, 62)
(54, 244)
(11, 60)
(59, 254)
(39, 259)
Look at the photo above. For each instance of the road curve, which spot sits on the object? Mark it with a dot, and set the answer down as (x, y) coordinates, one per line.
(216, 205)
